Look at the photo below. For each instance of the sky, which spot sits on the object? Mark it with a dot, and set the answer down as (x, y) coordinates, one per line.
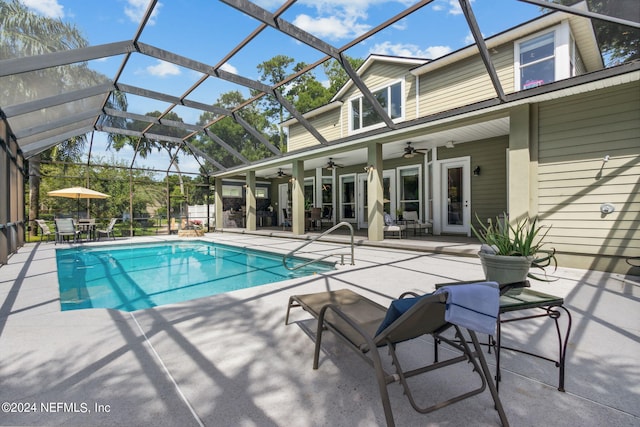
(207, 31)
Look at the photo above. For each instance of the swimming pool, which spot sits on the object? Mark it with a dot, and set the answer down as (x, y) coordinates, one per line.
(138, 276)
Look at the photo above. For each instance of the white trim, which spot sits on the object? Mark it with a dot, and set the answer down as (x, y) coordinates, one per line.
(465, 163)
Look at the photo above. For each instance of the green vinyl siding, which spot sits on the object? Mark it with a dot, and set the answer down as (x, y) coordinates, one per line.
(575, 135)
(327, 124)
(489, 189)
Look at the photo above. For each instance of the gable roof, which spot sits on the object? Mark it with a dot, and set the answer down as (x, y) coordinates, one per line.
(375, 58)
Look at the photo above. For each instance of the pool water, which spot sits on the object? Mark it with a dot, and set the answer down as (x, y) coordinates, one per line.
(135, 277)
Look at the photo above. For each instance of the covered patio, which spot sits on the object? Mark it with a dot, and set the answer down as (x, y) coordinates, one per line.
(229, 359)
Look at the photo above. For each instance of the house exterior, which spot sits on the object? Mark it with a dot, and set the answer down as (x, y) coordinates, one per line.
(569, 155)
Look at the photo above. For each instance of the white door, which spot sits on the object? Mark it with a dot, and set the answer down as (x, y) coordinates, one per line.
(456, 195)
(363, 205)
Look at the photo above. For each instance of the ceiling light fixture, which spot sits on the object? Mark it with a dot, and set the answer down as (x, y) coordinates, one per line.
(449, 144)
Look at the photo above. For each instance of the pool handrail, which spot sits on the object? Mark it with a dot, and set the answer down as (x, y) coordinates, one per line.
(308, 242)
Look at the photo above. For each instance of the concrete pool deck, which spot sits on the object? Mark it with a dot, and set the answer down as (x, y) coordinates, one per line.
(229, 360)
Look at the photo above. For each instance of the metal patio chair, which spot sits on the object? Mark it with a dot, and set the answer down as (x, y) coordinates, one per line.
(366, 327)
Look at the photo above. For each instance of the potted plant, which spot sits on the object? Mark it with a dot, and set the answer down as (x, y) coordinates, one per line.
(509, 252)
(399, 214)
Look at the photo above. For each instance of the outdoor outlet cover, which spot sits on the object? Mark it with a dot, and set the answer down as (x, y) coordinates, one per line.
(607, 208)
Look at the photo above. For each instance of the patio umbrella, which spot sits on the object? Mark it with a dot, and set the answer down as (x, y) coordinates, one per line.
(78, 193)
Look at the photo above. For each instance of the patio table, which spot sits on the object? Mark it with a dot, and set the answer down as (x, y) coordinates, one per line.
(532, 304)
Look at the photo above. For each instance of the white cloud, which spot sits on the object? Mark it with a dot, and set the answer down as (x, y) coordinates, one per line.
(136, 9)
(163, 69)
(229, 68)
(469, 39)
(409, 50)
(331, 27)
(451, 6)
(400, 25)
(48, 8)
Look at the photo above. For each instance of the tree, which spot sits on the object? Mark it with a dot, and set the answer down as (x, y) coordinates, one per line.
(273, 72)
(338, 77)
(232, 133)
(307, 92)
(618, 43)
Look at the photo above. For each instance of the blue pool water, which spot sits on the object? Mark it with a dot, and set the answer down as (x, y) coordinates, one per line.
(141, 276)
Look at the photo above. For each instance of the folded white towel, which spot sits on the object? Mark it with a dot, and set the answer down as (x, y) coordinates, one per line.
(474, 306)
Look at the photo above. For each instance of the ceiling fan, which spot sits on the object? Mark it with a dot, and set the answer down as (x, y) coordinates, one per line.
(279, 174)
(410, 151)
(331, 165)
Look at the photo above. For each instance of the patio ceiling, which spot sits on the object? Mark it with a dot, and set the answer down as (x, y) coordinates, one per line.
(44, 121)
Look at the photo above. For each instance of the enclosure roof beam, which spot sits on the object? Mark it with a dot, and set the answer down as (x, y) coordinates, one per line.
(65, 57)
(52, 101)
(41, 145)
(181, 125)
(65, 121)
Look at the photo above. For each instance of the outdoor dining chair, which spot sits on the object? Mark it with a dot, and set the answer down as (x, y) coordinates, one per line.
(109, 230)
(44, 229)
(65, 227)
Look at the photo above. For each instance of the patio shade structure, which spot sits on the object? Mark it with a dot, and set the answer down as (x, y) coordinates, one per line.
(78, 193)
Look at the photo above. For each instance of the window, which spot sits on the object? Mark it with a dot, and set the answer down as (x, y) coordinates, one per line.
(537, 61)
(232, 191)
(546, 57)
(262, 192)
(363, 115)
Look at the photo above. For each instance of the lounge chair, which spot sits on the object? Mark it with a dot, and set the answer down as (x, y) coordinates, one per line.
(109, 230)
(44, 229)
(366, 327)
(65, 227)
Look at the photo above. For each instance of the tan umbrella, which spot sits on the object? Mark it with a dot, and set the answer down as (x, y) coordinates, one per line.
(78, 193)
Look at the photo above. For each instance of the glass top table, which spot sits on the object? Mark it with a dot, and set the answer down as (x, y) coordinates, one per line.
(533, 304)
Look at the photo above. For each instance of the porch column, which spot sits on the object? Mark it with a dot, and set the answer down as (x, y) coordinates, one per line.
(218, 208)
(297, 197)
(518, 161)
(375, 192)
(251, 201)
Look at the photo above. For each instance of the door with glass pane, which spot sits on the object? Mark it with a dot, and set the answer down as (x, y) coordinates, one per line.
(456, 196)
(348, 198)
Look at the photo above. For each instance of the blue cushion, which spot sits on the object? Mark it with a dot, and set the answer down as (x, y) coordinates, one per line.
(396, 309)
(387, 219)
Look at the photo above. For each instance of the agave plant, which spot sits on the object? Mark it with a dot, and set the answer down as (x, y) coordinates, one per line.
(525, 238)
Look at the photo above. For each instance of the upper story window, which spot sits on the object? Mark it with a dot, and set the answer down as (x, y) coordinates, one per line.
(545, 57)
(537, 61)
(363, 115)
